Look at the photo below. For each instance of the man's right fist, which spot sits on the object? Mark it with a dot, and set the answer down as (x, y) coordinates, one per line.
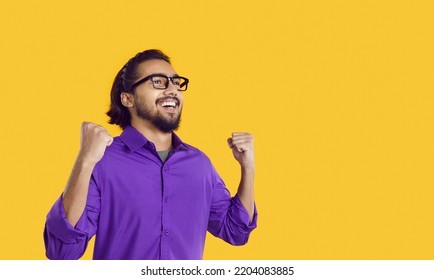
(93, 142)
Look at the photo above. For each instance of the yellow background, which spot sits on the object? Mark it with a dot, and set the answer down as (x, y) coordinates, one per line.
(339, 96)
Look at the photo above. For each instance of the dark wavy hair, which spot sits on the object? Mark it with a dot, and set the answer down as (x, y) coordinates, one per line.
(126, 77)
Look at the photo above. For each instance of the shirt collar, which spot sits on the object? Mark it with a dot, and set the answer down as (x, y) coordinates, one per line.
(177, 142)
(135, 140)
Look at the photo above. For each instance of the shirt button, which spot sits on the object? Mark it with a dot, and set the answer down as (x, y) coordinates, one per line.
(166, 200)
(166, 233)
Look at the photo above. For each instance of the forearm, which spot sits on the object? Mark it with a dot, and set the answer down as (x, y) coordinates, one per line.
(75, 194)
(245, 190)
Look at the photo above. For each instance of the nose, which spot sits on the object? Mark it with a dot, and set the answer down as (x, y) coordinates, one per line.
(171, 89)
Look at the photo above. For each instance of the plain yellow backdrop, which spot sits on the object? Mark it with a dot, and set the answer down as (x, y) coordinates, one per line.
(339, 95)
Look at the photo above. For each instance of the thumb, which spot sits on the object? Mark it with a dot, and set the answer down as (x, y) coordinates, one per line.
(230, 143)
(109, 141)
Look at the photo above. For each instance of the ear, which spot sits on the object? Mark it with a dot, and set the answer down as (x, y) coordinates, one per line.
(127, 99)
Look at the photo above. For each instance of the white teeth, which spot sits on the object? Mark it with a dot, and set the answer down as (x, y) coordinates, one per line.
(169, 104)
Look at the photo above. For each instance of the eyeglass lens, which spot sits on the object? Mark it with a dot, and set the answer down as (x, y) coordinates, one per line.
(161, 82)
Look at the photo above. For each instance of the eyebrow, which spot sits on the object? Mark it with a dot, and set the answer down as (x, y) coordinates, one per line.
(164, 74)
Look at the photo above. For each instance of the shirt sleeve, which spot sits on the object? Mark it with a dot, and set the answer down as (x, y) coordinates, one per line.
(229, 219)
(62, 240)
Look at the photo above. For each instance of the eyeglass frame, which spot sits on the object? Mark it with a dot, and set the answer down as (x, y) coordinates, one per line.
(141, 81)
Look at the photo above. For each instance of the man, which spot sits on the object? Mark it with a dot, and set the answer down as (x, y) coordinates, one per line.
(146, 194)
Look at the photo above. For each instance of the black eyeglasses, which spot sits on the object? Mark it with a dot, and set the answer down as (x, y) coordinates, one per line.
(160, 81)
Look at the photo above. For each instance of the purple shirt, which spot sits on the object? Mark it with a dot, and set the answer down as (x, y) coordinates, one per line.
(142, 208)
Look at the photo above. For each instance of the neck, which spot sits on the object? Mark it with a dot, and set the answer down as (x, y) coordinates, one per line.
(162, 140)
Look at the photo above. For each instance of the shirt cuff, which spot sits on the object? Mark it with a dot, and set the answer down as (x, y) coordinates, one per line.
(59, 226)
(243, 217)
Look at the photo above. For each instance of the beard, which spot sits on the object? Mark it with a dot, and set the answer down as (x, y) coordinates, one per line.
(165, 124)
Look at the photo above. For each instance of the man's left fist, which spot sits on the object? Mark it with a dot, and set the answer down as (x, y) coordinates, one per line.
(241, 144)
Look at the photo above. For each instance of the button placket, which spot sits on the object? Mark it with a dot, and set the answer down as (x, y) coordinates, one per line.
(165, 211)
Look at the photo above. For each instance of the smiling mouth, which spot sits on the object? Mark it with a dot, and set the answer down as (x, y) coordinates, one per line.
(169, 104)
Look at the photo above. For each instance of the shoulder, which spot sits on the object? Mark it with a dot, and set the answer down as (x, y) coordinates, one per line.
(116, 146)
(115, 152)
(192, 150)
(197, 158)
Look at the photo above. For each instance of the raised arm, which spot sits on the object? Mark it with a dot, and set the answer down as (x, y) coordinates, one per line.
(242, 148)
(72, 221)
(94, 140)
